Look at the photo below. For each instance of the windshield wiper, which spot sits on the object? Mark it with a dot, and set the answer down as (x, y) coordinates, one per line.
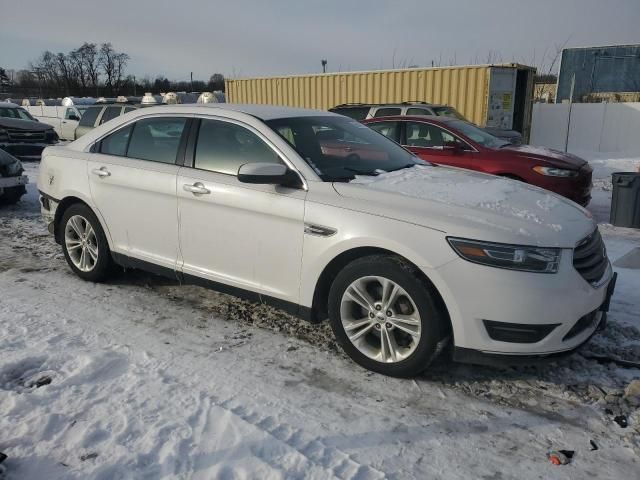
(409, 165)
(370, 173)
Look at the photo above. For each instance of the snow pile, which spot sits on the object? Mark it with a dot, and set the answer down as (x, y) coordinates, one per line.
(443, 185)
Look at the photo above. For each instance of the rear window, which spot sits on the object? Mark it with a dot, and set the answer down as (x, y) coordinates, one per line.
(357, 113)
(89, 117)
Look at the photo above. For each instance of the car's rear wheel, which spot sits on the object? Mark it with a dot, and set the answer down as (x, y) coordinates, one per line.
(385, 316)
(84, 244)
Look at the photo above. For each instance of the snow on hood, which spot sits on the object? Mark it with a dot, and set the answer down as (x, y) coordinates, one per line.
(454, 200)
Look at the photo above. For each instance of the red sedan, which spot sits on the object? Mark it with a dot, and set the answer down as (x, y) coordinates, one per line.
(460, 144)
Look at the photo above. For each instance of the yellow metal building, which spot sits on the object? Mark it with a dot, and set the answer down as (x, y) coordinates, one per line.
(496, 95)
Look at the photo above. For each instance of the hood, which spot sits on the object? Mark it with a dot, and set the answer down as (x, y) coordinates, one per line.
(471, 205)
(17, 124)
(552, 157)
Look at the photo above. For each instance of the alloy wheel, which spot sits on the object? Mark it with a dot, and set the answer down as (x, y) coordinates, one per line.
(380, 319)
(81, 243)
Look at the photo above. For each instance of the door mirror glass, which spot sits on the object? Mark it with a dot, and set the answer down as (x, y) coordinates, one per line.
(73, 116)
(264, 173)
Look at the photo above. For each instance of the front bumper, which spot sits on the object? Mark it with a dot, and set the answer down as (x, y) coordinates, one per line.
(8, 182)
(597, 322)
(25, 151)
(475, 294)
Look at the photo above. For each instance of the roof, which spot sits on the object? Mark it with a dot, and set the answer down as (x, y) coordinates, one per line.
(393, 104)
(263, 112)
(9, 105)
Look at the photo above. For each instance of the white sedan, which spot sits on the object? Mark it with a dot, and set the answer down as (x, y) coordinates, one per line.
(317, 214)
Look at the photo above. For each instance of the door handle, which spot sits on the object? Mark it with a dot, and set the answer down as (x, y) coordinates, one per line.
(197, 188)
(101, 172)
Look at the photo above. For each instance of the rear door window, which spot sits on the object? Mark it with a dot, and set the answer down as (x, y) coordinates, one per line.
(110, 113)
(89, 117)
(387, 112)
(156, 139)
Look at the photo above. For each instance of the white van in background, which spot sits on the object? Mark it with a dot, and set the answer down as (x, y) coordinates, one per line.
(63, 119)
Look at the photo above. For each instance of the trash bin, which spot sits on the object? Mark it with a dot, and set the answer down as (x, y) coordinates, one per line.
(625, 202)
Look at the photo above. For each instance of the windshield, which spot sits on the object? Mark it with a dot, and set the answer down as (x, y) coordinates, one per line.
(18, 113)
(477, 135)
(339, 148)
(448, 112)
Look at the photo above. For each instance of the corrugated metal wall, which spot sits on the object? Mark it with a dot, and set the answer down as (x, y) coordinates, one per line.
(464, 88)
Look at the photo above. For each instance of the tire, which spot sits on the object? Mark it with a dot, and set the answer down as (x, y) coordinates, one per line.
(12, 195)
(413, 352)
(97, 257)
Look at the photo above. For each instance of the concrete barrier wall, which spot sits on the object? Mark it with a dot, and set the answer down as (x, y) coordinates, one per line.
(593, 127)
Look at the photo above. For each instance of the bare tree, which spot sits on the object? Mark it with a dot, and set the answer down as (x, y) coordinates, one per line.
(113, 65)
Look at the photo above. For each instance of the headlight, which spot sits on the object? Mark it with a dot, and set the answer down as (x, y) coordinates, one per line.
(51, 136)
(14, 168)
(555, 172)
(3, 134)
(513, 257)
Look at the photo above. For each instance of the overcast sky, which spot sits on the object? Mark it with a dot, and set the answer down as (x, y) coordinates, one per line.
(243, 38)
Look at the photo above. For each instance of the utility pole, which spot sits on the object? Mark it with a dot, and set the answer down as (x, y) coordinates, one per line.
(324, 66)
(573, 85)
(134, 85)
(192, 81)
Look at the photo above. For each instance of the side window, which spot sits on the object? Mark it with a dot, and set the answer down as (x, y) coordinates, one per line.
(386, 112)
(357, 113)
(110, 113)
(222, 147)
(89, 117)
(418, 111)
(116, 143)
(388, 129)
(156, 139)
(428, 135)
(128, 109)
(70, 112)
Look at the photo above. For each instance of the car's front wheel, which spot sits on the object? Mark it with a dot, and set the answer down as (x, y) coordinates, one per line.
(84, 243)
(385, 317)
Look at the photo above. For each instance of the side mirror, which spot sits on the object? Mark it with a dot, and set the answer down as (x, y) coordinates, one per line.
(268, 174)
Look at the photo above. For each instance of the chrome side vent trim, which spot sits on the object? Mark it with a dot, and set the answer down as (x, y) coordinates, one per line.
(319, 230)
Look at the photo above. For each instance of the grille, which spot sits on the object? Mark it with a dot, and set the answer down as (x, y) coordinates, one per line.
(590, 258)
(26, 135)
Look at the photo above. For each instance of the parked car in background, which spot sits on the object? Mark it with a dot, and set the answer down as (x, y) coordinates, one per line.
(388, 248)
(362, 112)
(96, 115)
(449, 141)
(22, 135)
(12, 180)
(63, 119)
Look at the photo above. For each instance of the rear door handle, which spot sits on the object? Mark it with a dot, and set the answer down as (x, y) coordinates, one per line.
(197, 188)
(101, 172)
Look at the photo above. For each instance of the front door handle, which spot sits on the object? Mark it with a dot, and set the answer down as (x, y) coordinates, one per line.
(101, 172)
(197, 188)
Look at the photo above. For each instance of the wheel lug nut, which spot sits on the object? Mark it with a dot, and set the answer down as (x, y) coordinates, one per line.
(378, 326)
(371, 315)
(389, 313)
(388, 325)
(378, 307)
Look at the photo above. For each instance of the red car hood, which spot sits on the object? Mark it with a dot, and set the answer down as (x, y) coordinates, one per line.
(554, 158)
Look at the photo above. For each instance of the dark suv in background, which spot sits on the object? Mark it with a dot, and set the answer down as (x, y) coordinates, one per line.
(21, 135)
(364, 111)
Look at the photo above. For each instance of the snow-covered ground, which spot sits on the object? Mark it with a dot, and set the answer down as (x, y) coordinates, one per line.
(143, 378)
